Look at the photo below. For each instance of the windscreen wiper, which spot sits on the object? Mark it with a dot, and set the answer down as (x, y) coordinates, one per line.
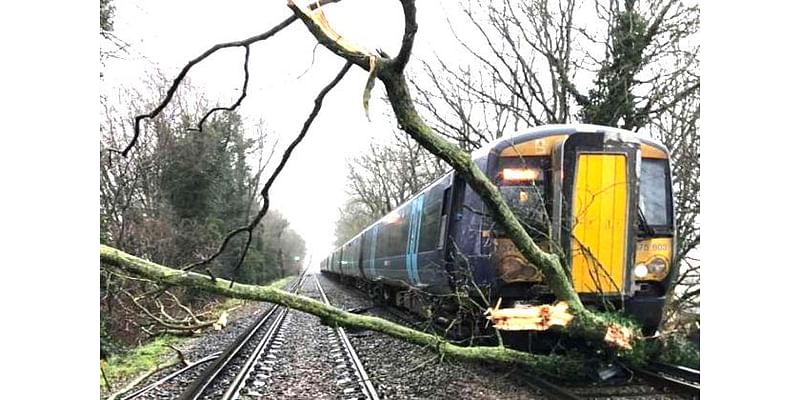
(643, 222)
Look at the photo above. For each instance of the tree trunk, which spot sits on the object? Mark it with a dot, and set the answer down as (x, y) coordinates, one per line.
(390, 71)
(114, 258)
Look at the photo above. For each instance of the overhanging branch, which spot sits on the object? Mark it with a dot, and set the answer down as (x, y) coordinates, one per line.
(265, 190)
(172, 277)
(185, 71)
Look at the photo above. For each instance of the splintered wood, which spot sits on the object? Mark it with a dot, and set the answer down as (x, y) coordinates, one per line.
(529, 318)
(619, 336)
(221, 322)
(540, 318)
(321, 21)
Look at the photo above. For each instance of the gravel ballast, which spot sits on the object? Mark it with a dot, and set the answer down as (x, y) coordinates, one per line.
(305, 362)
(400, 370)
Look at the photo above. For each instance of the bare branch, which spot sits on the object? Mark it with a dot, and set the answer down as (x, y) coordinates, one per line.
(241, 97)
(410, 13)
(182, 75)
(265, 190)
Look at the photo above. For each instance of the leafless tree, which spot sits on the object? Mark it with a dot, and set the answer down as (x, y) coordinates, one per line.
(535, 60)
(632, 64)
(382, 179)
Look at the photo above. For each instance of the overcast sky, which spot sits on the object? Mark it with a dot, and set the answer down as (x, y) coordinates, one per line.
(286, 74)
(166, 34)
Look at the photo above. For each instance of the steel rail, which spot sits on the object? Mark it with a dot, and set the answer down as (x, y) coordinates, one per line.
(550, 389)
(169, 377)
(660, 378)
(233, 389)
(366, 385)
(685, 373)
(198, 387)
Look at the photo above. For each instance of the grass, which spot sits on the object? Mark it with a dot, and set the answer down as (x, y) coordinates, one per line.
(127, 365)
(281, 283)
(123, 367)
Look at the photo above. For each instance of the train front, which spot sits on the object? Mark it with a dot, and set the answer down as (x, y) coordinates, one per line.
(602, 199)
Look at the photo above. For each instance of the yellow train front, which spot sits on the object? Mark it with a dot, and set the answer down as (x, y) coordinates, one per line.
(600, 197)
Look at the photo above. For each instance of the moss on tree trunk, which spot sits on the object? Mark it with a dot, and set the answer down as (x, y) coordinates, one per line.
(139, 267)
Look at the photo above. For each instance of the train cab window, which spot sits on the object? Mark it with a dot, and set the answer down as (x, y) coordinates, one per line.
(523, 183)
(653, 192)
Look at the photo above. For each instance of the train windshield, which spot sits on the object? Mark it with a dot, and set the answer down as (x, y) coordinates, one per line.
(653, 192)
(522, 183)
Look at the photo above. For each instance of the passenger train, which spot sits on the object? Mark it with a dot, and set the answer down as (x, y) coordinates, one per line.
(599, 197)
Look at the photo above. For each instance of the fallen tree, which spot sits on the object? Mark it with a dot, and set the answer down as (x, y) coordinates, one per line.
(391, 72)
(600, 329)
(113, 258)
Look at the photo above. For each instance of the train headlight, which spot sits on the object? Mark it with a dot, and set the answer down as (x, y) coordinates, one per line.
(655, 268)
(640, 271)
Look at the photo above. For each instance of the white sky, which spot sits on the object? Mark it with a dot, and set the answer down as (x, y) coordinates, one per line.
(166, 34)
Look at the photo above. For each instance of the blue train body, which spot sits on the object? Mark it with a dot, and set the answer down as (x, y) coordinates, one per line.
(415, 246)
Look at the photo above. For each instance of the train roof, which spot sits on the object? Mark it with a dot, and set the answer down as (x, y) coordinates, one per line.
(543, 131)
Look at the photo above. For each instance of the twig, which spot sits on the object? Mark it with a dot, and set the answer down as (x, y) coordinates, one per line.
(265, 190)
(241, 97)
(171, 363)
(174, 87)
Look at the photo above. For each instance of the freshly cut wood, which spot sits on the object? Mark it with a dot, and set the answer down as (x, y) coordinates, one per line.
(390, 71)
(619, 336)
(530, 318)
(113, 258)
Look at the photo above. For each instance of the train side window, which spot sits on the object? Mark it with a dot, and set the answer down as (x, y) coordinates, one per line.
(366, 249)
(445, 212)
(431, 219)
(653, 192)
(394, 234)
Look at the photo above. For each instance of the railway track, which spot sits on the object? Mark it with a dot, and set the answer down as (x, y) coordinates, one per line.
(655, 381)
(244, 370)
(169, 377)
(677, 378)
(355, 378)
(225, 377)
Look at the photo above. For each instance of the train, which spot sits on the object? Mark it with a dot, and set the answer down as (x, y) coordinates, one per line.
(600, 197)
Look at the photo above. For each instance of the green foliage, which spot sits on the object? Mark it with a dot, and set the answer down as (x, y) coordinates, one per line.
(677, 349)
(106, 15)
(612, 98)
(673, 349)
(258, 267)
(108, 346)
(569, 367)
(643, 351)
(127, 365)
(202, 178)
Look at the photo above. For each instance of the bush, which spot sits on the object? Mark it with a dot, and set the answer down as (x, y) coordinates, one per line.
(677, 349)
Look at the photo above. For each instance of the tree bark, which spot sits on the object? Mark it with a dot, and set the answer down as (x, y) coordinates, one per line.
(391, 72)
(133, 265)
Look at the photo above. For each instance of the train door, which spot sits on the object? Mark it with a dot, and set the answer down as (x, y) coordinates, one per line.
(427, 236)
(596, 211)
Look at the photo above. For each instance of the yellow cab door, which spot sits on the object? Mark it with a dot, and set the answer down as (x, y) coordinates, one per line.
(600, 212)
